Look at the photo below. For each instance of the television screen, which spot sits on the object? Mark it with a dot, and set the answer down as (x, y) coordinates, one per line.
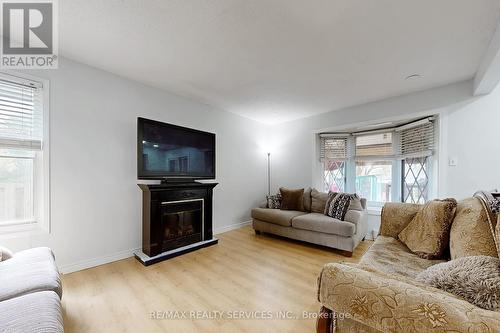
(170, 151)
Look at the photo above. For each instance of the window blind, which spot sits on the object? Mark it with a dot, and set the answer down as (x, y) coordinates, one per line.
(374, 145)
(21, 113)
(333, 148)
(417, 139)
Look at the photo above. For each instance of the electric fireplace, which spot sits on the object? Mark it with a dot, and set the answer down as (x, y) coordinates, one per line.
(176, 219)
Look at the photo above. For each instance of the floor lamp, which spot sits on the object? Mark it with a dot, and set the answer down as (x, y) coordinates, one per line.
(268, 173)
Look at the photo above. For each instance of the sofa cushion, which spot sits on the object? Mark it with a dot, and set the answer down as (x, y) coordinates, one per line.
(37, 312)
(353, 216)
(428, 234)
(29, 271)
(470, 234)
(276, 216)
(292, 199)
(390, 256)
(318, 201)
(307, 200)
(325, 224)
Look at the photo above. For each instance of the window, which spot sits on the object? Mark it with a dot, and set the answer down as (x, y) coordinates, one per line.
(415, 180)
(374, 153)
(417, 145)
(183, 164)
(21, 134)
(333, 153)
(334, 176)
(374, 180)
(384, 165)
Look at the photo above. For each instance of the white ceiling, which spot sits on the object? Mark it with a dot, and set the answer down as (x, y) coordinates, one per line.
(279, 60)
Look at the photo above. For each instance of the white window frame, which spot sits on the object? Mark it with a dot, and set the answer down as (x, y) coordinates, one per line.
(375, 205)
(41, 169)
(397, 168)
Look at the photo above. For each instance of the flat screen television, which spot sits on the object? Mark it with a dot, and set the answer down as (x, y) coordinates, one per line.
(166, 151)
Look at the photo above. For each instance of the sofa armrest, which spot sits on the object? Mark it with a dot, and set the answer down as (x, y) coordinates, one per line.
(396, 216)
(391, 304)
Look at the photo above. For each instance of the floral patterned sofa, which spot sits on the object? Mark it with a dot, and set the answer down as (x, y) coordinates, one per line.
(380, 294)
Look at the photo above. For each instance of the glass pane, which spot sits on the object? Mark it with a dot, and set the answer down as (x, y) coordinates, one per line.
(415, 180)
(16, 189)
(334, 176)
(373, 180)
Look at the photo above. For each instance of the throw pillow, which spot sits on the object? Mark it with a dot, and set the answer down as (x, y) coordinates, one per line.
(307, 200)
(292, 199)
(475, 279)
(395, 216)
(470, 234)
(337, 205)
(355, 203)
(5, 253)
(427, 235)
(274, 201)
(318, 201)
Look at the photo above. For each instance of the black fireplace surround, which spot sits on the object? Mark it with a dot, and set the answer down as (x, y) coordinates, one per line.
(176, 218)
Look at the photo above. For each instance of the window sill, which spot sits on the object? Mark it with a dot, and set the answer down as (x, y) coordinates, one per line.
(20, 228)
(375, 211)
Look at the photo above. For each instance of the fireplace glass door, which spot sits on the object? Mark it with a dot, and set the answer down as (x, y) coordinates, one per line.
(182, 223)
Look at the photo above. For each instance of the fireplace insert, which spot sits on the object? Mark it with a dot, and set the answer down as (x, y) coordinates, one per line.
(181, 223)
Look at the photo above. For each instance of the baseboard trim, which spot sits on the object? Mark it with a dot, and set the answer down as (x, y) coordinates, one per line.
(232, 227)
(89, 263)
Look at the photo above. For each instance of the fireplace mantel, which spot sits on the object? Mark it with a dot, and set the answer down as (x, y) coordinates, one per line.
(176, 219)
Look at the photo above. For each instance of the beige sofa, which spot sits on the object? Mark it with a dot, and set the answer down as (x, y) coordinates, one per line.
(380, 293)
(312, 225)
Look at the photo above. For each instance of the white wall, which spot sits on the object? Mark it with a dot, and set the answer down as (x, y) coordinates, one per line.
(471, 133)
(95, 200)
(468, 132)
(295, 152)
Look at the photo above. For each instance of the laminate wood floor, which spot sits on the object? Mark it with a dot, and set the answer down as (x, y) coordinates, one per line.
(258, 283)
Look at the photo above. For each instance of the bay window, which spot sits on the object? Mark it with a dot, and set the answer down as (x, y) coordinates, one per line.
(374, 180)
(417, 148)
(21, 150)
(393, 164)
(334, 176)
(334, 153)
(373, 157)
